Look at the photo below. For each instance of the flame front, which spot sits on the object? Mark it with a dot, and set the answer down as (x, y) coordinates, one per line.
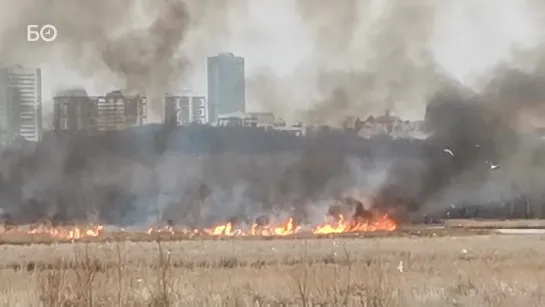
(68, 233)
(364, 223)
(376, 223)
(223, 230)
(286, 229)
(334, 226)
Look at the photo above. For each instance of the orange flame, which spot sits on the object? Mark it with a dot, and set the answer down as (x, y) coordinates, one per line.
(377, 223)
(223, 230)
(339, 225)
(371, 223)
(68, 233)
(287, 229)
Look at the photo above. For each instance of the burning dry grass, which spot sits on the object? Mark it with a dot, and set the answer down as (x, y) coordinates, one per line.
(364, 222)
(439, 271)
(168, 234)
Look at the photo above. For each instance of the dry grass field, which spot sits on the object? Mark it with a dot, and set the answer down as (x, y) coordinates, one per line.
(486, 270)
(491, 224)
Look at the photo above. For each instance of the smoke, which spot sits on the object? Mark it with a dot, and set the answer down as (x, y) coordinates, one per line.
(118, 178)
(138, 46)
(394, 70)
(483, 150)
(367, 57)
(332, 27)
(271, 93)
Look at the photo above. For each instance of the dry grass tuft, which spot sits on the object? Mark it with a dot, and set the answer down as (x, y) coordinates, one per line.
(489, 271)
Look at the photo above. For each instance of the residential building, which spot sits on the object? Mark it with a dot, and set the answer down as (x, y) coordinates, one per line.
(387, 124)
(117, 112)
(78, 112)
(20, 103)
(226, 85)
(74, 111)
(236, 119)
(185, 109)
(263, 118)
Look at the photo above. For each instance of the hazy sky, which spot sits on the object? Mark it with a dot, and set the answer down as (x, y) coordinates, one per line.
(470, 37)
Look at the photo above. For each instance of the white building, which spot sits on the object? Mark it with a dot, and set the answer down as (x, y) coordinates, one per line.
(20, 103)
(388, 125)
(264, 120)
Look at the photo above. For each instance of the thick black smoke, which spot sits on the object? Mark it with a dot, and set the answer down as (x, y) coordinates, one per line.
(473, 153)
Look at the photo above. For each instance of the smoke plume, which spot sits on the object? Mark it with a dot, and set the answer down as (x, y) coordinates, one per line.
(482, 150)
(203, 175)
(369, 58)
(137, 45)
(396, 71)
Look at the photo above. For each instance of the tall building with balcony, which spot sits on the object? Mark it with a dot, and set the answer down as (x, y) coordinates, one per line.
(20, 103)
(226, 85)
(185, 109)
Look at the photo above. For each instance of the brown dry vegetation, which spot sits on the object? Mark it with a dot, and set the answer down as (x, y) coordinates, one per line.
(491, 224)
(488, 270)
(22, 237)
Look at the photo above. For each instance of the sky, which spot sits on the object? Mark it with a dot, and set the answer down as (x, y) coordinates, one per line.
(477, 36)
(469, 38)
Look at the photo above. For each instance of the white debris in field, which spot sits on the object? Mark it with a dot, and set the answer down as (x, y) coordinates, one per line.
(463, 251)
(400, 266)
(449, 152)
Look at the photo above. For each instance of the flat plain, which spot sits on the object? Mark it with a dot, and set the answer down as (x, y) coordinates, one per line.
(480, 270)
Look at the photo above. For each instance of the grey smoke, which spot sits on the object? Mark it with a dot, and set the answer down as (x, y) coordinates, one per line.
(232, 174)
(396, 70)
(489, 126)
(368, 57)
(137, 45)
(105, 39)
